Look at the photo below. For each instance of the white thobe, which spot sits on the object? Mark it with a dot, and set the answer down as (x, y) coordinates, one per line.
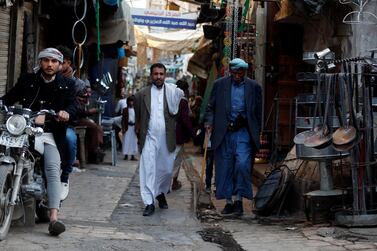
(129, 145)
(156, 162)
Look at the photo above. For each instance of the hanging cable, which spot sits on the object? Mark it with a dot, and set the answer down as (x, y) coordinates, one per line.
(98, 32)
(77, 52)
(235, 29)
(227, 51)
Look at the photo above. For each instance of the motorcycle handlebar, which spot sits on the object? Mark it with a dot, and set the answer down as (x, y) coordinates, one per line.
(47, 112)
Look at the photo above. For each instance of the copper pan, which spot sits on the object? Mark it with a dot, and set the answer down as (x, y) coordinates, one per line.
(347, 133)
(349, 146)
(322, 137)
(300, 137)
(344, 135)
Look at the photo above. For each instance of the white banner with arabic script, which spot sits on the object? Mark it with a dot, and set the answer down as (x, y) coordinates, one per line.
(164, 18)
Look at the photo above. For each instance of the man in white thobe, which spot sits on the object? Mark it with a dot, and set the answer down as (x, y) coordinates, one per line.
(156, 107)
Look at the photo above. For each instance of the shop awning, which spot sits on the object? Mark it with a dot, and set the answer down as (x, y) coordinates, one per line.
(201, 61)
(118, 26)
(177, 41)
(298, 11)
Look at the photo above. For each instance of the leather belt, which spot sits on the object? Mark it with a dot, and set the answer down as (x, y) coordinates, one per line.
(234, 127)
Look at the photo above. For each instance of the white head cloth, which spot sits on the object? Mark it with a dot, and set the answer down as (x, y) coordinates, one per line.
(51, 53)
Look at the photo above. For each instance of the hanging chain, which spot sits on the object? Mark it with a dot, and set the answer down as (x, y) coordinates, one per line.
(77, 52)
(227, 51)
(235, 28)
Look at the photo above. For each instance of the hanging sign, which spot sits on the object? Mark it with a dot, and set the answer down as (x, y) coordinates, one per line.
(164, 18)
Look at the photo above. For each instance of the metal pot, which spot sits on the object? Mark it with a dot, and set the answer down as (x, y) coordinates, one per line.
(310, 153)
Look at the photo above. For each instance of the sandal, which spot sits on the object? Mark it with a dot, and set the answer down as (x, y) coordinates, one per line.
(56, 227)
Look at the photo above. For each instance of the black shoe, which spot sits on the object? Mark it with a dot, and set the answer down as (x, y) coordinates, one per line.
(125, 157)
(56, 227)
(228, 209)
(238, 208)
(149, 210)
(133, 158)
(162, 201)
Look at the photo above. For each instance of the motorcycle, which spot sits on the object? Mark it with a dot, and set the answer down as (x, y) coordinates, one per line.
(22, 183)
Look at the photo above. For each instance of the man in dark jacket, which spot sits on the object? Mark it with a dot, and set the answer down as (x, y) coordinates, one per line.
(47, 89)
(234, 112)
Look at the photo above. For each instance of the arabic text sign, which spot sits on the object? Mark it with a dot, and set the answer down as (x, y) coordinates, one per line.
(163, 18)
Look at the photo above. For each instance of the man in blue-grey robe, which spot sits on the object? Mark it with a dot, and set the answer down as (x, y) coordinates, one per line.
(233, 118)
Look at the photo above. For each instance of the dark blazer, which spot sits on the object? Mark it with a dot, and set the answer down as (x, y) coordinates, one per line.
(30, 85)
(219, 108)
(142, 106)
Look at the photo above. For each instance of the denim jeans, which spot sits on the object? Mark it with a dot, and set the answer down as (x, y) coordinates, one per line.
(71, 138)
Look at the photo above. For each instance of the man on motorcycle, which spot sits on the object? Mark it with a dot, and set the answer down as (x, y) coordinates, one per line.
(48, 89)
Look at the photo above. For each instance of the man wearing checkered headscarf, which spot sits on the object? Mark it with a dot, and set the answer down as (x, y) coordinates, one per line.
(48, 89)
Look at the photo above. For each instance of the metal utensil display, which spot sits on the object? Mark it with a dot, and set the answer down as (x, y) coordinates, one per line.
(300, 137)
(322, 137)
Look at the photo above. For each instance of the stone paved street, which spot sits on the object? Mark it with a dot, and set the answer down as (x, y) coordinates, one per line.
(103, 212)
(273, 234)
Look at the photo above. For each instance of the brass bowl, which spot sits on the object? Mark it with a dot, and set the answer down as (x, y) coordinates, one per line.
(344, 135)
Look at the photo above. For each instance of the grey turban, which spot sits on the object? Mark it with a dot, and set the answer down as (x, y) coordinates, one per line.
(51, 53)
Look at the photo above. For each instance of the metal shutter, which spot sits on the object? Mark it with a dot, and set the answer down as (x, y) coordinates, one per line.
(4, 47)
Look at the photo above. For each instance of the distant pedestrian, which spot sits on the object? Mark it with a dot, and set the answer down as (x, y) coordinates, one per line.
(234, 117)
(117, 120)
(184, 132)
(195, 111)
(122, 103)
(129, 146)
(156, 107)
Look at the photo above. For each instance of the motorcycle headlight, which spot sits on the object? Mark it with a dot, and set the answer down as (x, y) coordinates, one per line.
(16, 124)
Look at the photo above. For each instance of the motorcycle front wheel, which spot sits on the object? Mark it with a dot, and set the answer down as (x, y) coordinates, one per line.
(6, 210)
